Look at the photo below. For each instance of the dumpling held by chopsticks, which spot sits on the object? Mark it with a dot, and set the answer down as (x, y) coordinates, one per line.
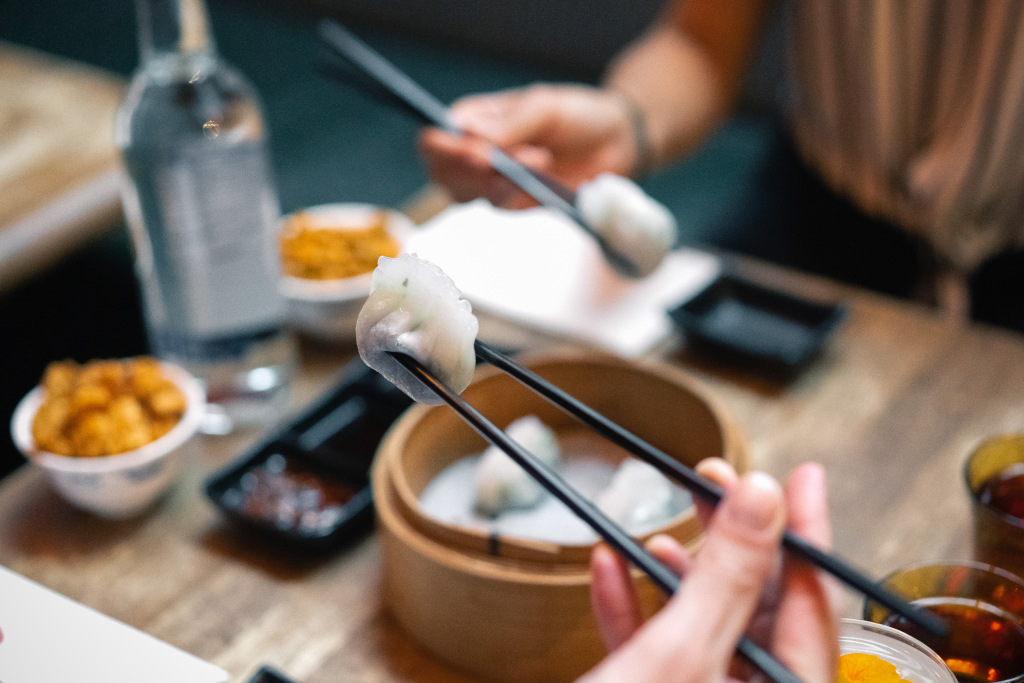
(415, 309)
(634, 224)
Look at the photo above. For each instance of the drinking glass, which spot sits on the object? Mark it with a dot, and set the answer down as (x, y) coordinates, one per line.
(983, 606)
(994, 474)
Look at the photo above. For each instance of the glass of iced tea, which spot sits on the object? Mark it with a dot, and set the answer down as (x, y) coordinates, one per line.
(984, 607)
(994, 474)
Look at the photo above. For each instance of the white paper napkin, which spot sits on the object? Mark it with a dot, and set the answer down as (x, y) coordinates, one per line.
(537, 268)
(45, 636)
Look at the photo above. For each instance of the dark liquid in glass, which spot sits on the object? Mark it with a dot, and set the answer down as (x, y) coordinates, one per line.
(1005, 491)
(985, 643)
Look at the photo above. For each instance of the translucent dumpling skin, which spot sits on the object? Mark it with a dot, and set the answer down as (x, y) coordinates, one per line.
(639, 497)
(414, 308)
(501, 484)
(632, 222)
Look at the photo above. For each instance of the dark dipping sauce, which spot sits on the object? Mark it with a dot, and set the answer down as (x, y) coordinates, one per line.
(290, 495)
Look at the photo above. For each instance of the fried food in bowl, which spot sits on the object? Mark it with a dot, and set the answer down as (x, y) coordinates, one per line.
(313, 250)
(110, 433)
(328, 253)
(105, 407)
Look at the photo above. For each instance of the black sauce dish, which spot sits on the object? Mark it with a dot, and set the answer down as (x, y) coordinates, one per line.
(308, 482)
(268, 674)
(756, 327)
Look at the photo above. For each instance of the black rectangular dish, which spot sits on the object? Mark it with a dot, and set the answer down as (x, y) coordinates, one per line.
(268, 674)
(756, 326)
(308, 482)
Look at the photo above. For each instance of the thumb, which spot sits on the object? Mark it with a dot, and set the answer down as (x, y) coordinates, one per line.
(739, 555)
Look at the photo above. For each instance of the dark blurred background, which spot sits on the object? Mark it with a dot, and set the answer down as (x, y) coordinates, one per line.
(332, 143)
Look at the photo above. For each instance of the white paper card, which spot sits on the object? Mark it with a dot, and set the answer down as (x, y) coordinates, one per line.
(539, 269)
(47, 637)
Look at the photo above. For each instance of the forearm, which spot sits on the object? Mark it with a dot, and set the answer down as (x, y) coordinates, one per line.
(684, 74)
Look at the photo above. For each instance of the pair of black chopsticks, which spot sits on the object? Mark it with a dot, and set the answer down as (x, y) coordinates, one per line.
(408, 94)
(615, 535)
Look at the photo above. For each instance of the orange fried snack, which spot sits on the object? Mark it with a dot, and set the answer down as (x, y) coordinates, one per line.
(318, 253)
(858, 667)
(105, 406)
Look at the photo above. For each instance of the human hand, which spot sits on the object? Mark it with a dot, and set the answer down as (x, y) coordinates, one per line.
(570, 132)
(738, 584)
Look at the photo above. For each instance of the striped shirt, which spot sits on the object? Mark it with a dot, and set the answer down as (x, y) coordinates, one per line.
(915, 110)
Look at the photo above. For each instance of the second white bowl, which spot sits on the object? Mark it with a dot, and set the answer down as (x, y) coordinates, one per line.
(327, 309)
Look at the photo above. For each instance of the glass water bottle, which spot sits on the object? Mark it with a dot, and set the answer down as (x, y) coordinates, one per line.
(202, 208)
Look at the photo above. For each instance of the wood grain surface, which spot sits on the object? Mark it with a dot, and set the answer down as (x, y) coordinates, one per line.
(58, 163)
(892, 406)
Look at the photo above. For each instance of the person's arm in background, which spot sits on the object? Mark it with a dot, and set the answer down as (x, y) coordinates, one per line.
(685, 74)
(679, 79)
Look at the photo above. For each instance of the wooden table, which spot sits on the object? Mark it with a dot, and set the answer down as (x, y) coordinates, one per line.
(892, 407)
(59, 168)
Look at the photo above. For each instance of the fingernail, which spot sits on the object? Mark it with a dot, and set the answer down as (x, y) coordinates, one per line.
(755, 501)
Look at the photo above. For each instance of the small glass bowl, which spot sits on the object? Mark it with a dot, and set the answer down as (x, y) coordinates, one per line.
(914, 660)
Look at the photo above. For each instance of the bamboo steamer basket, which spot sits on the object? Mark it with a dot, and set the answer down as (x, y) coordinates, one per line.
(509, 609)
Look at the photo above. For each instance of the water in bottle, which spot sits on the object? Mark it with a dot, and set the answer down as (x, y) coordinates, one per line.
(202, 208)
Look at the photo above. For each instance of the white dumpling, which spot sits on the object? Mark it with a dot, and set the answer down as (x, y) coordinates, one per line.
(639, 497)
(501, 484)
(632, 223)
(414, 308)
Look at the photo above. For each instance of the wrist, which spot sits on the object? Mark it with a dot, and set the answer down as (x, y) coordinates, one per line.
(643, 149)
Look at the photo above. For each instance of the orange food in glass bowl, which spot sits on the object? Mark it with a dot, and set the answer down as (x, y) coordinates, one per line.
(858, 667)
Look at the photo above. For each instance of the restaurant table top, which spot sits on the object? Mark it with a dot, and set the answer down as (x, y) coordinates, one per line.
(891, 406)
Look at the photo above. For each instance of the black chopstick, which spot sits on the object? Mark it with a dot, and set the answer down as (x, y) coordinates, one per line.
(708, 490)
(612, 533)
(375, 66)
(416, 100)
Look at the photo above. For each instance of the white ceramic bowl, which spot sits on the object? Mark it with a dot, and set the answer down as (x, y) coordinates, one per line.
(115, 486)
(327, 309)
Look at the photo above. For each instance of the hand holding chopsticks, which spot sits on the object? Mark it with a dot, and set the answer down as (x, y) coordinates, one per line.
(735, 576)
(415, 100)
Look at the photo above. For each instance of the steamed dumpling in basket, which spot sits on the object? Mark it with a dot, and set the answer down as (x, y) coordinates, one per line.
(501, 484)
(639, 498)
